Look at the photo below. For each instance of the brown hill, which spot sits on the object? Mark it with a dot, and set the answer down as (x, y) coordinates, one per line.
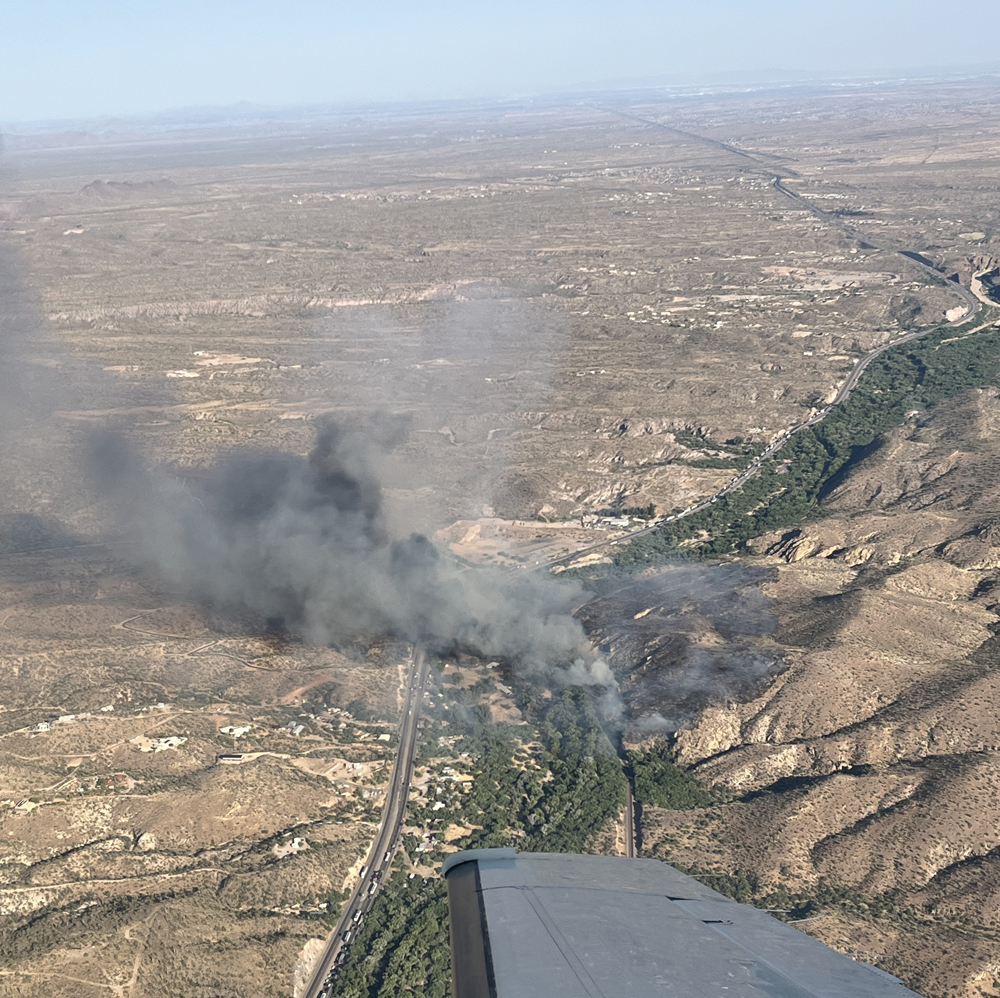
(869, 765)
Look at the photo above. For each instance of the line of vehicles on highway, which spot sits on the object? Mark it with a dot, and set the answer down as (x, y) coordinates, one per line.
(365, 900)
(370, 878)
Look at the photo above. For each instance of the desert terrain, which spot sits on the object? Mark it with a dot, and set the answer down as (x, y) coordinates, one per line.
(548, 317)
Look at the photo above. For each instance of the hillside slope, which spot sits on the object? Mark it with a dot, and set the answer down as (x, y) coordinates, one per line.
(869, 766)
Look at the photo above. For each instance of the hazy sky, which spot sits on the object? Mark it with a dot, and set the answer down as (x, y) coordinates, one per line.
(69, 58)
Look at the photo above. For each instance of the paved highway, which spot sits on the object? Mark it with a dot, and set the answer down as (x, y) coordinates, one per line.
(376, 868)
(973, 306)
(972, 302)
(755, 465)
(629, 822)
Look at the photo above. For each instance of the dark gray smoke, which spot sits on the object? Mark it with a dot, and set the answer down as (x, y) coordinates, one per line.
(300, 544)
(273, 540)
(284, 543)
(685, 638)
(303, 545)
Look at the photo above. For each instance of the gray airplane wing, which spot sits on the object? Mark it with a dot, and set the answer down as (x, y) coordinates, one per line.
(547, 925)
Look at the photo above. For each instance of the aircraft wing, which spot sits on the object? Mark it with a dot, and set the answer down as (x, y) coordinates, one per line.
(548, 925)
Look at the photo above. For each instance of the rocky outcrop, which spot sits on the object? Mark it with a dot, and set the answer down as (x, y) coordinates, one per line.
(871, 761)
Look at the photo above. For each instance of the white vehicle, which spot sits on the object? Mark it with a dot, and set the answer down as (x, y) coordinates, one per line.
(347, 935)
(386, 857)
(361, 875)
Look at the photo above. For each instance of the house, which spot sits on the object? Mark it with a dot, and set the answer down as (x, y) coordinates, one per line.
(237, 731)
(171, 741)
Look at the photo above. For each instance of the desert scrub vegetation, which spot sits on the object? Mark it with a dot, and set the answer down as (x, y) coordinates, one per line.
(550, 797)
(911, 376)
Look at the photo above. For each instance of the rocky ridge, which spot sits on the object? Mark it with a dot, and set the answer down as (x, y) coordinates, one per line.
(869, 761)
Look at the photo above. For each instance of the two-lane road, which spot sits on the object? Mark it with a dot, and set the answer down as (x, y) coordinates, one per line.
(972, 303)
(380, 857)
(755, 465)
(629, 821)
(973, 307)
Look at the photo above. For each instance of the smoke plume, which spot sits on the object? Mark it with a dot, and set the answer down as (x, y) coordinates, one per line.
(692, 635)
(305, 545)
(301, 545)
(274, 540)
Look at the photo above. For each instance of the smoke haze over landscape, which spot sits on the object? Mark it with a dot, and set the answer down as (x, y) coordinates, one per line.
(307, 546)
(282, 542)
(301, 544)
